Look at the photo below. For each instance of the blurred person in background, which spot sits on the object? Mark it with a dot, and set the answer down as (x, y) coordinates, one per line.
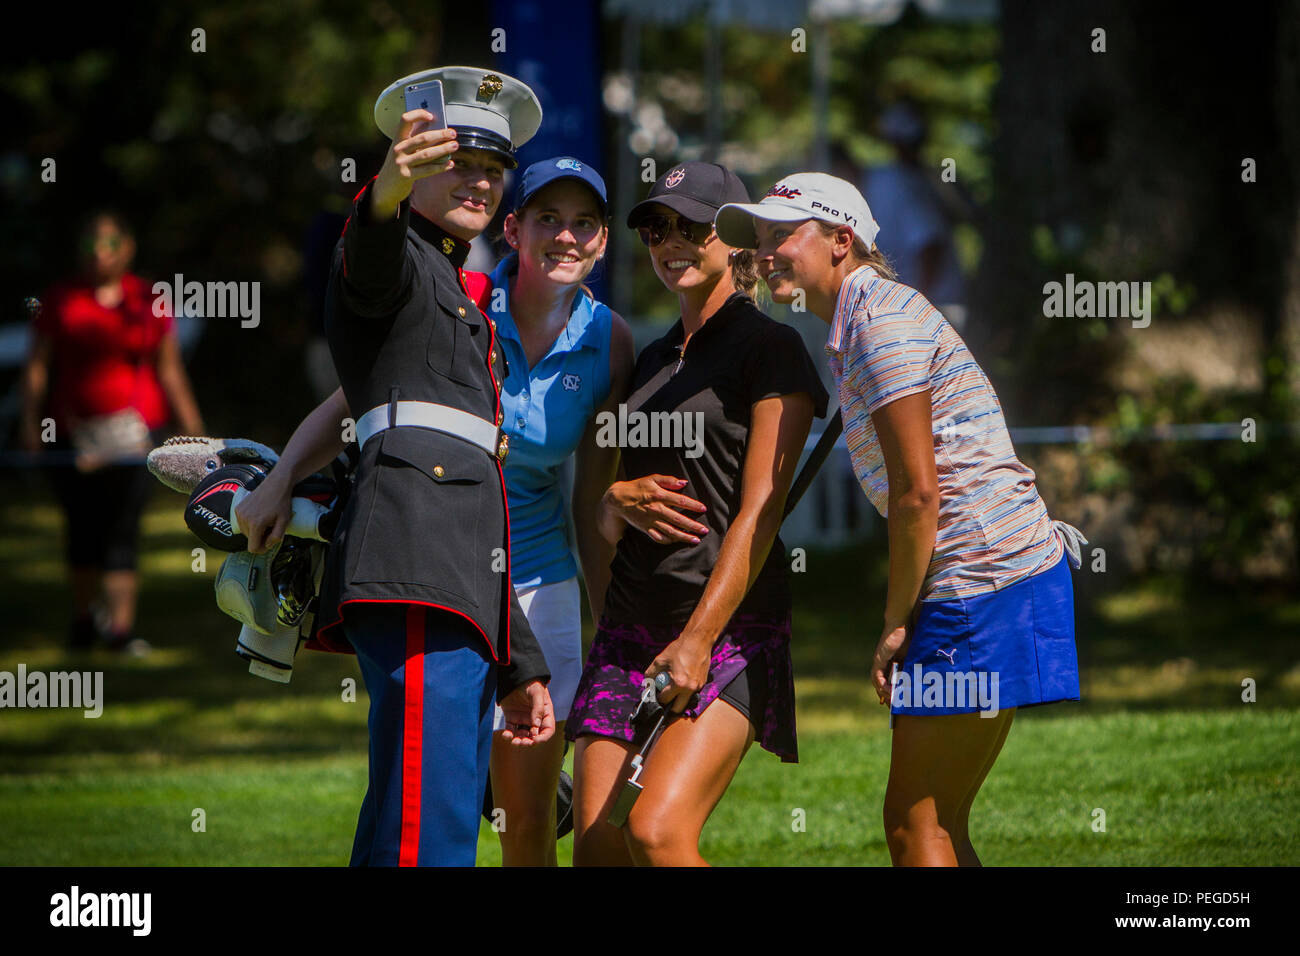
(107, 370)
(916, 216)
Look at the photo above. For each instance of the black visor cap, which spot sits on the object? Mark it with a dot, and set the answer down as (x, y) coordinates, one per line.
(470, 137)
(694, 190)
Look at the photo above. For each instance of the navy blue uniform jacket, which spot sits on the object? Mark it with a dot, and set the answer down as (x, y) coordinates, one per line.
(426, 521)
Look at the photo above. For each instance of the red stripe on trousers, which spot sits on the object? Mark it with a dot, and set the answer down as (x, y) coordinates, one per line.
(412, 736)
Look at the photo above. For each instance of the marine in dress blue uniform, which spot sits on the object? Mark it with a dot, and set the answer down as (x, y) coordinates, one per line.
(413, 582)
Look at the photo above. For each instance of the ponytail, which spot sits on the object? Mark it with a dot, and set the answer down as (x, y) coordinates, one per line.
(744, 271)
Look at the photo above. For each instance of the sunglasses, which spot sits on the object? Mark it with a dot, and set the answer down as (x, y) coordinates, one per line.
(111, 243)
(654, 230)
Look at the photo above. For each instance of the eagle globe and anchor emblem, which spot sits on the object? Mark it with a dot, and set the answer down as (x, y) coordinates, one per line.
(489, 88)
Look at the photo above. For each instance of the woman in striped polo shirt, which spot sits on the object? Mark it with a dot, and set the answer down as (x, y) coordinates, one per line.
(979, 614)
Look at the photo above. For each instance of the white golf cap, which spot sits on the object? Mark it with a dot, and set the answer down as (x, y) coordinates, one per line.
(488, 110)
(793, 199)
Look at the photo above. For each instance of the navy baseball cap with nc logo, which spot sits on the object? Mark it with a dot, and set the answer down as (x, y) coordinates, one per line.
(547, 171)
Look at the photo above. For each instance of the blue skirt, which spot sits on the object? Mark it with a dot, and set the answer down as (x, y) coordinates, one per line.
(1009, 648)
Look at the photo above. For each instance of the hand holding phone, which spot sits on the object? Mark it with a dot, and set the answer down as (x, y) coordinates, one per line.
(427, 96)
(415, 160)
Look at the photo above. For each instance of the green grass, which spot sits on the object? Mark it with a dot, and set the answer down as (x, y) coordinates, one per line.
(1185, 772)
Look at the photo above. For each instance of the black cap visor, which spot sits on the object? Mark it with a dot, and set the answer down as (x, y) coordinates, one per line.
(684, 206)
(470, 137)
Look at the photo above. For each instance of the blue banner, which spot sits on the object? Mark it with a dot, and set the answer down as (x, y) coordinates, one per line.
(555, 49)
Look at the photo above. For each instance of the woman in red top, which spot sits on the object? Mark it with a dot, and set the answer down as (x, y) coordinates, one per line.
(103, 378)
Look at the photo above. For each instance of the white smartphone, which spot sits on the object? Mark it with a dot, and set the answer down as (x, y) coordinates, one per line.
(427, 96)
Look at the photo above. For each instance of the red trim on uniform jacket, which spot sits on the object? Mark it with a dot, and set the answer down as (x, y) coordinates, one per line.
(349, 221)
(483, 290)
(319, 643)
(412, 736)
(478, 286)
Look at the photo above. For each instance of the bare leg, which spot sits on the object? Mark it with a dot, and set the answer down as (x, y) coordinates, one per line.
(600, 765)
(936, 766)
(524, 780)
(120, 591)
(966, 855)
(685, 776)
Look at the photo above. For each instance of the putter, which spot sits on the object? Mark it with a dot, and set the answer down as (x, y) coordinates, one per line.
(646, 710)
(893, 682)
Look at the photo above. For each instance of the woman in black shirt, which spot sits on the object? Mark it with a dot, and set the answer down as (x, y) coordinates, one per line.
(710, 436)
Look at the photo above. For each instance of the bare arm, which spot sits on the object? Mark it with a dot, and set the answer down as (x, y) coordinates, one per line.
(35, 382)
(176, 385)
(316, 442)
(650, 503)
(779, 427)
(907, 443)
(595, 470)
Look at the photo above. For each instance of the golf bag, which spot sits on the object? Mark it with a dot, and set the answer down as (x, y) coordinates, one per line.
(273, 595)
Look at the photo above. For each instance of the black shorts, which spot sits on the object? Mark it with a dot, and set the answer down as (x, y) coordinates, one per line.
(103, 510)
(747, 692)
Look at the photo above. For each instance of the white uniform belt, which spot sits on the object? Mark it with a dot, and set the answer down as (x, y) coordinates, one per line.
(443, 418)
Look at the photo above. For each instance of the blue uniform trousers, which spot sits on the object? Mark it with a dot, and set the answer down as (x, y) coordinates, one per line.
(432, 689)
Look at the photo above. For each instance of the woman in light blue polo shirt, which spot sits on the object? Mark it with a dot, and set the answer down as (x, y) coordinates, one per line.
(567, 358)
